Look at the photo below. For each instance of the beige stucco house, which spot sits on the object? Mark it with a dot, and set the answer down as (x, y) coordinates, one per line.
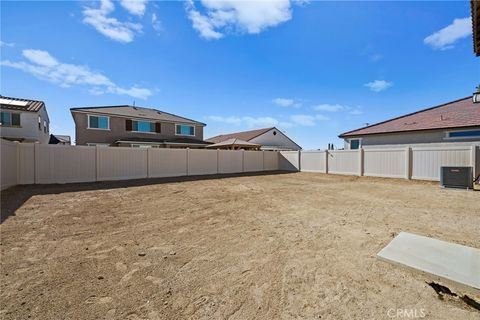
(24, 120)
(133, 126)
(456, 121)
(266, 138)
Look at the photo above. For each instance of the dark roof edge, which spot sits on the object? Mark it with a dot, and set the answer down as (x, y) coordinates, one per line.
(228, 134)
(399, 117)
(409, 131)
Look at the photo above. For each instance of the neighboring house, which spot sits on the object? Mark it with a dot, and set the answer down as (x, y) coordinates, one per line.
(24, 120)
(267, 138)
(59, 139)
(132, 126)
(235, 144)
(475, 6)
(450, 122)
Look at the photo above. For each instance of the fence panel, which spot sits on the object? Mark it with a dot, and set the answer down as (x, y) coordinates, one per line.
(121, 163)
(270, 160)
(312, 161)
(252, 161)
(289, 160)
(344, 162)
(8, 164)
(26, 163)
(426, 161)
(230, 161)
(62, 164)
(202, 162)
(390, 163)
(167, 162)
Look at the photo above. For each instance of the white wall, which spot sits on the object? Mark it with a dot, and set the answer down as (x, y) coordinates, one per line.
(385, 162)
(313, 161)
(289, 160)
(275, 138)
(29, 163)
(344, 162)
(28, 126)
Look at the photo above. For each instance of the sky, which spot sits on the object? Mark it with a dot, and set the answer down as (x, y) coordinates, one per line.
(312, 69)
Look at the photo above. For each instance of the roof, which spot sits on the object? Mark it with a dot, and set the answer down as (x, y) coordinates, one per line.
(137, 112)
(164, 141)
(234, 142)
(475, 7)
(243, 135)
(21, 104)
(456, 114)
(60, 138)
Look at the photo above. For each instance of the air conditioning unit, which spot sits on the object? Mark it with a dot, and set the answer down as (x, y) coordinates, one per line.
(456, 177)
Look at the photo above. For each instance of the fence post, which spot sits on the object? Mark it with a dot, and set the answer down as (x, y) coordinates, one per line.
(473, 160)
(188, 158)
(97, 163)
(299, 159)
(263, 156)
(17, 148)
(218, 161)
(148, 162)
(360, 162)
(408, 163)
(36, 169)
(243, 160)
(326, 161)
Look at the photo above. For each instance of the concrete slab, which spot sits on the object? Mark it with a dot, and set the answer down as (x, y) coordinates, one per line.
(449, 261)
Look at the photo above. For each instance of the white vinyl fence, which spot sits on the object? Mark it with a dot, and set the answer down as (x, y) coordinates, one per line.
(33, 163)
(420, 162)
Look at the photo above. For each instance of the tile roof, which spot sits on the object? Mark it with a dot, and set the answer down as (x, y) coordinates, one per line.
(137, 112)
(455, 114)
(243, 135)
(20, 104)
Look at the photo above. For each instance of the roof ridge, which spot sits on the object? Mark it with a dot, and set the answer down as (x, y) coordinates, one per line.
(403, 116)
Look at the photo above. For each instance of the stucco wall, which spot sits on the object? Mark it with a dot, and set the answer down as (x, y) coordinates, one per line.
(117, 131)
(28, 129)
(431, 136)
(275, 138)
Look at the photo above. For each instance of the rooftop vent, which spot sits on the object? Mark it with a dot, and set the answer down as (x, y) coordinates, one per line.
(476, 96)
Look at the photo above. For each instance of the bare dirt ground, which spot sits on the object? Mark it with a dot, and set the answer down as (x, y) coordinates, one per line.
(286, 246)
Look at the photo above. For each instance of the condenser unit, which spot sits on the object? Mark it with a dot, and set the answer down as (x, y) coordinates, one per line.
(456, 177)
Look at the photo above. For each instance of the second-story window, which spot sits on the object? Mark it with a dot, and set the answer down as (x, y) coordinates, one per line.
(184, 130)
(98, 122)
(45, 126)
(143, 126)
(39, 123)
(9, 119)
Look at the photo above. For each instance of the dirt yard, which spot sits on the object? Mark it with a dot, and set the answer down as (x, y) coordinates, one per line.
(285, 246)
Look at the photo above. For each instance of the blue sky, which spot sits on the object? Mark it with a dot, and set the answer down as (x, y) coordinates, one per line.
(313, 69)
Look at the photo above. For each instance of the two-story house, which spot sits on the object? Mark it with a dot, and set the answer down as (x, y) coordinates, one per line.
(24, 120)
(132, 126)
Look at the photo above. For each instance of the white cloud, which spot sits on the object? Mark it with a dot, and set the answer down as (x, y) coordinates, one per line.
(329, 107)
(250, 122)
(283, 102)
(307, 120)
(135, 7)
(356, 112)
(446, 37)
(7, 44)
(251, 17)
(156, 24)
(45, 67)
(378, 85)
(110, 27)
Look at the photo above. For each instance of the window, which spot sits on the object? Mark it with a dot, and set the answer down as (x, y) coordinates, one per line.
(143, 126)
(354, 144)
(464, 134)
(9, 119)
(185, 130)
(39, 123)
(45, 126)
(98, 122)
